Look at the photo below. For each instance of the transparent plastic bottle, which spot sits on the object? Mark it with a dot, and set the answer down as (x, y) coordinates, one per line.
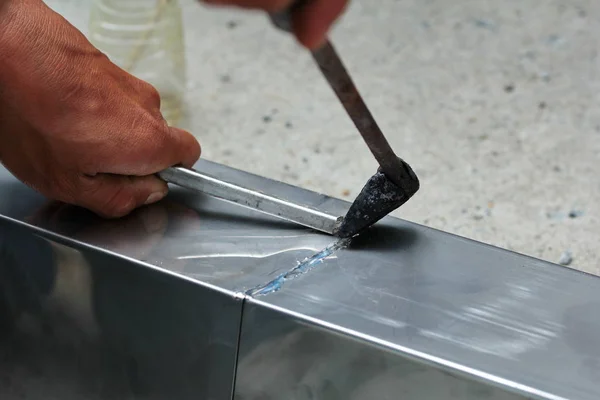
(145, 38)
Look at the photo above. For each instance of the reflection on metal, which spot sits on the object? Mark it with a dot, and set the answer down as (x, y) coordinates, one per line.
(154, 306)
(282, 208)
(284, 357)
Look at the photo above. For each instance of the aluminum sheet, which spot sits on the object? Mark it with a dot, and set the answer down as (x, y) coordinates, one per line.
(484, 315)
(77, 323)
(284, 356)
(514, 322)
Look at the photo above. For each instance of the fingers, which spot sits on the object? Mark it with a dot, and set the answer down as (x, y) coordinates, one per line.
(174, 147)
(267, 5)
(150, 148)
(186, 149)
(114, 196)
(126, 176)
(313, 21)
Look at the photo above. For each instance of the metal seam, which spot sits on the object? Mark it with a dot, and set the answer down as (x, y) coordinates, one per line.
(305, 266)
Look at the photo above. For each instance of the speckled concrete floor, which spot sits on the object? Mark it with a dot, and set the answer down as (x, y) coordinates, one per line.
(496, 105)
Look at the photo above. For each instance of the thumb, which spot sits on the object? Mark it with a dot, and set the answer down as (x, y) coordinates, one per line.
(188, 150)
(160, 149)
(313, 20)
(114, 196)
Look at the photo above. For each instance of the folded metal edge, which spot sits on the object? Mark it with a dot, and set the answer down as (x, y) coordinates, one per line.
(267, 329)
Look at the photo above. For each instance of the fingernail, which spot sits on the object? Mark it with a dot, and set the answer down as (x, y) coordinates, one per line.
(154, 197)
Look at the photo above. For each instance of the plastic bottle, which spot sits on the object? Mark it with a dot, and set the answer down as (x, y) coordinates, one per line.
(145, 38)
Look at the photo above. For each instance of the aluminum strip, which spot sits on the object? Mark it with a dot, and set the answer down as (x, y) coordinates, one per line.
(247, 197)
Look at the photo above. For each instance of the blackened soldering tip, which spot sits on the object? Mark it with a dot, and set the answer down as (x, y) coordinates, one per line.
(379, 197)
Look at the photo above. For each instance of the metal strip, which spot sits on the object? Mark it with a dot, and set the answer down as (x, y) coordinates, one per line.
(256, 200)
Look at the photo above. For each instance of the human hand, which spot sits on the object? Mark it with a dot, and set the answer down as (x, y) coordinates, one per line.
(73, 125)
(311, 22)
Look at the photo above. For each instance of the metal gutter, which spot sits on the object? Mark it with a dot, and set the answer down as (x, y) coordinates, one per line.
(405, 312)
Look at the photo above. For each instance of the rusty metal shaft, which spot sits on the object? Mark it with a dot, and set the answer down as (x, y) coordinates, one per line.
(340, 81)
(342, 84)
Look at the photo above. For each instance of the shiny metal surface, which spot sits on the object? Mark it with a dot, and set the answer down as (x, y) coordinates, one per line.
(403, 298)
(78, 323)
(283, 356)
(285, 209)
(512, 322)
